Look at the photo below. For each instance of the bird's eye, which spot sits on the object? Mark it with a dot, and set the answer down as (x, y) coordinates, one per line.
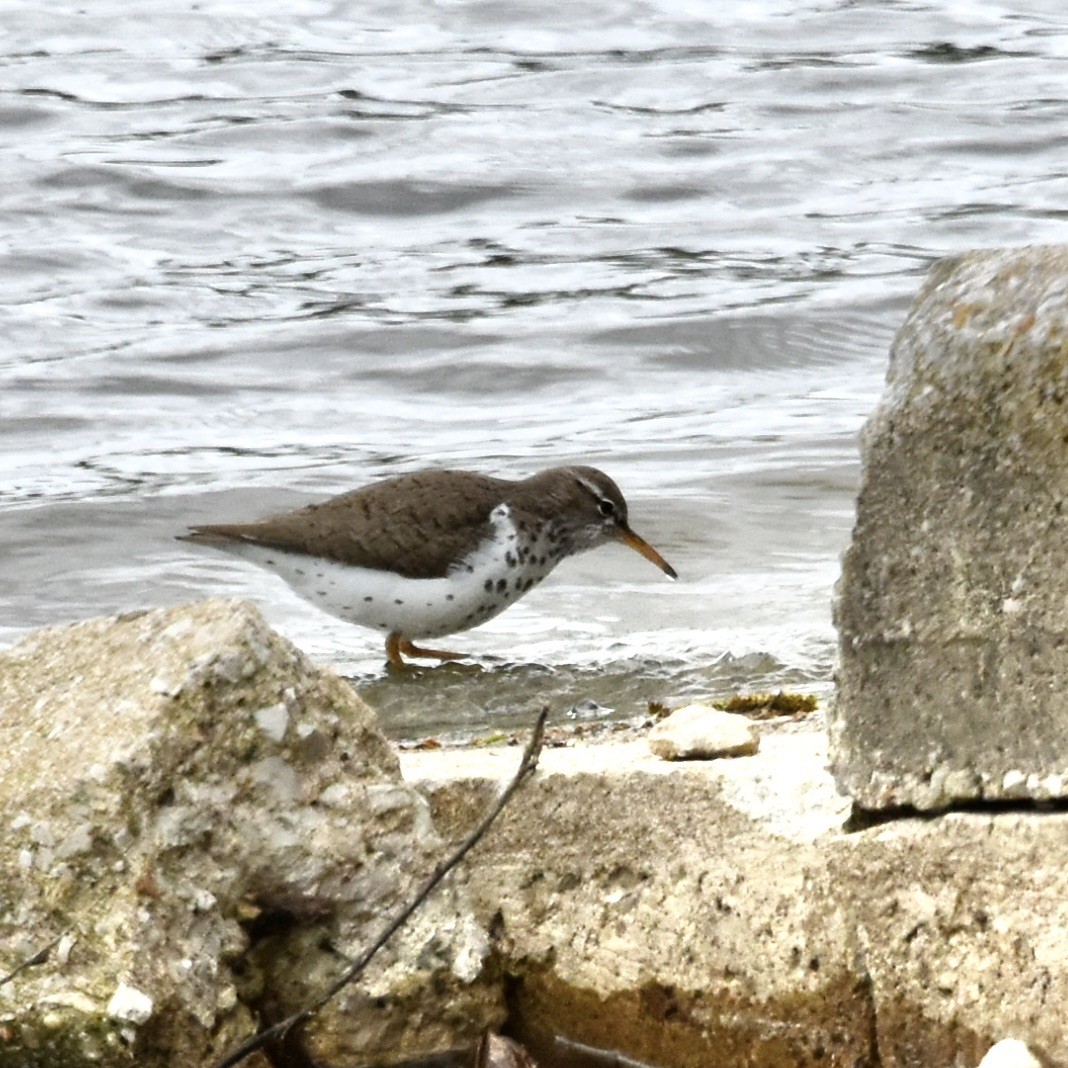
(606, 507)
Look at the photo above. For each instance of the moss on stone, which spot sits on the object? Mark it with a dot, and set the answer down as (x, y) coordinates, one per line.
(769, 705)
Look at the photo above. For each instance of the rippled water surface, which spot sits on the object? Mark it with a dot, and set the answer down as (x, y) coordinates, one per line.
(256, 254)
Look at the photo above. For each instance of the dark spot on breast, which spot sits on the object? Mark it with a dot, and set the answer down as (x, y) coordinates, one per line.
(541, 561)
(519, 583)
(449, 597)
(270, 562)
(510, 560)
(368, 599)
(502, 585)
(398, 601)
(320, 593)
(528, 584)
(487, 585)
(296, 570)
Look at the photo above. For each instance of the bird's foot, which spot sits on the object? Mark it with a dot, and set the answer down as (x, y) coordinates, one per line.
(397, 648)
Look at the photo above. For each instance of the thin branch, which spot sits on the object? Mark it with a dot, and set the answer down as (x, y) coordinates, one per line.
(279, 1030)
(609, 1057)
(38, 958)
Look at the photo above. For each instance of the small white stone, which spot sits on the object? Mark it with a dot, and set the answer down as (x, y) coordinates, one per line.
(335, 795)
(26, 859)
(279, 777)
(703, 732)
(70, 999)
(42, 834)
(80, 840)
(178, 629)
(63, 950)
(273, 721)
(959, 784)
(388, 797)
(1014, 783)
(1009, 1053)
(164, 686)
(204, 900)
(130, 1005)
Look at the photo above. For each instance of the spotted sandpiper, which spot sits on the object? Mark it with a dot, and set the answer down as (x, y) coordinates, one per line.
(433, 552)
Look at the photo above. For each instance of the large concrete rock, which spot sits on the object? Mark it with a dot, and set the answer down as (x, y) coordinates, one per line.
(199, 811)
(953, 603)
(718, 912)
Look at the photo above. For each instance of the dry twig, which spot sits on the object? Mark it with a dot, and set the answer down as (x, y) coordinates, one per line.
(608, 1057)
(38, 958)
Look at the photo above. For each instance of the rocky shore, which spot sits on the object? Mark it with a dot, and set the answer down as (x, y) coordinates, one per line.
(207, 821)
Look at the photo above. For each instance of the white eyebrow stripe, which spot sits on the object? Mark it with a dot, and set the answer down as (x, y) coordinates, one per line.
(591, 487)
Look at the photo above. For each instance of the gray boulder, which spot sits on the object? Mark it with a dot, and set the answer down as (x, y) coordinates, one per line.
(952, 608)
(206, 822)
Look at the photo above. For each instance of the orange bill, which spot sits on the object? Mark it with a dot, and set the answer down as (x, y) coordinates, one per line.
(640, 545)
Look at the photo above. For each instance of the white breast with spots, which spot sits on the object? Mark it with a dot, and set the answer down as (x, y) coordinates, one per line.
(476, 589)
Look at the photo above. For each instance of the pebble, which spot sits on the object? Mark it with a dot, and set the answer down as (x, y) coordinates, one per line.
(701, 732)
(130, 1005)
(1009, 1053)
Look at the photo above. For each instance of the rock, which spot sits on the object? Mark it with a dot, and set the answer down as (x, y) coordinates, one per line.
(1009, 1053)
(202, 814)
(496, 1051)
(130, 1005)
(951, 609)
(718, 912)
(701, 732)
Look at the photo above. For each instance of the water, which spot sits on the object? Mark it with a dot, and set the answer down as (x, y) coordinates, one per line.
(253, 255)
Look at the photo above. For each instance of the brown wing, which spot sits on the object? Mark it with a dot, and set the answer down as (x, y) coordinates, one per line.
(416, 525)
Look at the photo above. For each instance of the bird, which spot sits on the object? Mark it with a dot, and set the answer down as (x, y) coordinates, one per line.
(433, 552)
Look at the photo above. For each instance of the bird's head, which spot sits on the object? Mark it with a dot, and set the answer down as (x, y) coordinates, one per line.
(592, 511)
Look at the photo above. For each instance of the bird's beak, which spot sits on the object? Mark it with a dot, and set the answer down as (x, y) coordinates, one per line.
(640, 545)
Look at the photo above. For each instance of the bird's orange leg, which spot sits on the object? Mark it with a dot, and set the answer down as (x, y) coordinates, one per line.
(396, 645)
